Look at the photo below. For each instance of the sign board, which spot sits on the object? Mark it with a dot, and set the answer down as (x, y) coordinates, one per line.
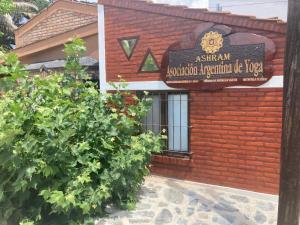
(215, 61)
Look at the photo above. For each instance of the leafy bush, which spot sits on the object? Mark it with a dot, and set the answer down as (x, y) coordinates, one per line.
(6, 6)
(66, 150)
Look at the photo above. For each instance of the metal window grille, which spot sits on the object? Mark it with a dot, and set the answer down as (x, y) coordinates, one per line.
(169, 115)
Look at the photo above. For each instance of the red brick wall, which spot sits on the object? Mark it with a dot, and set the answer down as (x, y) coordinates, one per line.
(235, 140)
(126, 23)
(235, 134)
(157, 32)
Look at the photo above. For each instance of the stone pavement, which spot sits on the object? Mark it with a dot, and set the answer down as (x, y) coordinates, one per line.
(176, 202)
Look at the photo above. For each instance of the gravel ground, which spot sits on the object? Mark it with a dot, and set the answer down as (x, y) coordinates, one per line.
(176, 202)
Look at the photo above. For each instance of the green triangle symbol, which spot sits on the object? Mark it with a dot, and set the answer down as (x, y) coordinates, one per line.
(128, 46)
(149, 64)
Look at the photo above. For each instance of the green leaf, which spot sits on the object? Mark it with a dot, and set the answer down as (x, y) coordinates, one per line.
(26, 222)
(85, 208)
(1, 195)
(48, 171)
(71, 198)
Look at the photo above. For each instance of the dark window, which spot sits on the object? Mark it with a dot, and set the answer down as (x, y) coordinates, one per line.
(169, 116)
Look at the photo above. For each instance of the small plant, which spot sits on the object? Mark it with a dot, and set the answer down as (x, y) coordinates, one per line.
(67, 151)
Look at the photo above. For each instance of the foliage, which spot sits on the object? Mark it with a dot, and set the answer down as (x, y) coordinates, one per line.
(6, 6)
(10, 71)
(66, 150)
(41, 4)
(13, 15)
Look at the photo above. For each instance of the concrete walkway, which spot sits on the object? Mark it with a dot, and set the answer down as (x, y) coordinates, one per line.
(175, 202)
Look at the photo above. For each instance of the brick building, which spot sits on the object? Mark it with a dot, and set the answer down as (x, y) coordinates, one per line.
(227, 136)
(224, 135)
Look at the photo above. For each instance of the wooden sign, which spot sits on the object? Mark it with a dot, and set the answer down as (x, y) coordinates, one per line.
(217, 58)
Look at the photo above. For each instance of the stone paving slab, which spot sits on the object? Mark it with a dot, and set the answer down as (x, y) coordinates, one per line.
(176, 202)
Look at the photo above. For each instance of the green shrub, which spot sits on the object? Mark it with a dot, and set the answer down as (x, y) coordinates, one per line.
(67, 151)
(6, 6)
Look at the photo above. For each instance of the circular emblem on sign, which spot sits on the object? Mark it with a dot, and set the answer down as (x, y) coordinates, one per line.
(212, 42)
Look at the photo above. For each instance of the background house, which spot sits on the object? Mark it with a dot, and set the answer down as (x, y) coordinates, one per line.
(40, 42)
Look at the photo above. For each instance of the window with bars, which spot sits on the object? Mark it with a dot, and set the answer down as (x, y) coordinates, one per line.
(169, 115)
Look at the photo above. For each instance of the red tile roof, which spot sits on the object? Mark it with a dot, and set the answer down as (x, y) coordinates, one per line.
(226, 18)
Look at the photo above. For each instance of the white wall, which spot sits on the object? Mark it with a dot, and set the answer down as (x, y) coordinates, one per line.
(190, 3)
(258, 8)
